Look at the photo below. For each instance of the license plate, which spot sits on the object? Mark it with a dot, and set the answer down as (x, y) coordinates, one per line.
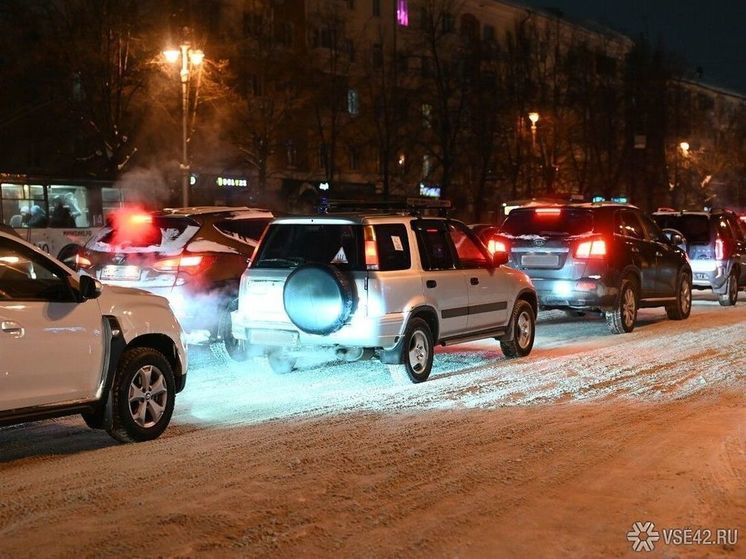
(120, 273)
(273, 337)
(700, 276)
(540, 260)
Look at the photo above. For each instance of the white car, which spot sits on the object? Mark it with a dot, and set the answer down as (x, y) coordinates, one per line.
(114, 355)
(387, 284)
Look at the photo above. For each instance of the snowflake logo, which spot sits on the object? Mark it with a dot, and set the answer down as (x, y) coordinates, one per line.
(643, 536)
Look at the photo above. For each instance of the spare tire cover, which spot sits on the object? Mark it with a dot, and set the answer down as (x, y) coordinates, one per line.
(319, 298)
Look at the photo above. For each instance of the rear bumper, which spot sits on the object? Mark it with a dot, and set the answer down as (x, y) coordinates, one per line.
(710, 274)
(584, 293)
(379, 333)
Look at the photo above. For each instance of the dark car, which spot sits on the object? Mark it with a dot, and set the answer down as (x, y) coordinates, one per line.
(608, 258)
(716, 245)
(192, 256)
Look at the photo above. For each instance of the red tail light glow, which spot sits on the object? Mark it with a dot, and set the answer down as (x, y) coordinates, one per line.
(496, 245)
(189, 264)
(82, 261)
(548, 211)
(719, 249)
(140, 219)
(371, 249)
(591, 249)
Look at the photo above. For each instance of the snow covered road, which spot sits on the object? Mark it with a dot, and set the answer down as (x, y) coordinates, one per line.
(554, 455)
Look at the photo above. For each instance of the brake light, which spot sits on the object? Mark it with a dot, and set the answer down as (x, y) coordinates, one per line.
(82, 261)
(719, 249)
(495, 245)
(591, 249)
(140, 219)
(371, 249)
(189, 264)
(548, 211)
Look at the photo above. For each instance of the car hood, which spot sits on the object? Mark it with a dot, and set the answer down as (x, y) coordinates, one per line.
(115, 299)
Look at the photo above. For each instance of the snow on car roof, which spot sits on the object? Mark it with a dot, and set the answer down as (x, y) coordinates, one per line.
(202, 210)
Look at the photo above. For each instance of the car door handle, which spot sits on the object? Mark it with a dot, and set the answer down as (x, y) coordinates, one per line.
(431, 283)
(12, 328)
(474, 281)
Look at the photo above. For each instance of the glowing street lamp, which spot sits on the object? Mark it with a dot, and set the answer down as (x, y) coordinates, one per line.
(190, 58)
(534, 118)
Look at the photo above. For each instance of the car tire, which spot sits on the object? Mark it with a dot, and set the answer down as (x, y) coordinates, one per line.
(319, 298)
(622, 319)
(523, 323)
(227, 345)
(415, 351)
(730, 297)
(281, 363)
(142, 396)
(683, 306)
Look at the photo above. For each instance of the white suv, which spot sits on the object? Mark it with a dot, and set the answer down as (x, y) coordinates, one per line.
(391, 285)
(69, 346)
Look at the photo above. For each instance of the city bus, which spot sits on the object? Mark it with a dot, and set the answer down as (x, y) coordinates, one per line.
(57, 215)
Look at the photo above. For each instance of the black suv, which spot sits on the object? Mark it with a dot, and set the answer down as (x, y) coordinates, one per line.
(716, 246)
(603, 257)
(194, 257)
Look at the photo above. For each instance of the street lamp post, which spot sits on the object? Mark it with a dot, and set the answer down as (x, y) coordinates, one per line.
(682, 148)
(534, 118)
(189, 58)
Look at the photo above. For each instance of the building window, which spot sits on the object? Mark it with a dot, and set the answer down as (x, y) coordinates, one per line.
(377, 56)
(353, 102)
(426, 67)
(328, 38)
(403, 62)
(291, 153)
(402, 13)
(427, 111)
(285, 33)
(323, 156)
(350, 49)
(426, 166)
(354, 158)
(488, 33)
(447, 23)
(376, 8)
(351, 4)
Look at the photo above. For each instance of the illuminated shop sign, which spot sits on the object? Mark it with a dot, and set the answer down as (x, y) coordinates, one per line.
(231, 182)
(429, 190)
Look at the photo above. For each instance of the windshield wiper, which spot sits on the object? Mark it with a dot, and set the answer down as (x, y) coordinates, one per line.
(288, 261)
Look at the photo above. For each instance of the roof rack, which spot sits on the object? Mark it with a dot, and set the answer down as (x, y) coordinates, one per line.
(413, 206)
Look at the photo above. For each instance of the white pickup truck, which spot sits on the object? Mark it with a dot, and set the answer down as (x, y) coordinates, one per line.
(68, 345)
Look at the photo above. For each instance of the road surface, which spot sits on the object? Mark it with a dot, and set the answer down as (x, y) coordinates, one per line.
(555, 455)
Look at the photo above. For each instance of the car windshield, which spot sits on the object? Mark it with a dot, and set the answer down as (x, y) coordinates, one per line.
(289, 245)
(695, 228)
(548, 222)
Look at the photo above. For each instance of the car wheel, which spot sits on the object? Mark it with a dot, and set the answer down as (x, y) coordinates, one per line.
(142, 396)
(683, 306)
(730, 297)
(415, 350)
(523, 323)
(234, 348)
(622, 319)
(281, 363)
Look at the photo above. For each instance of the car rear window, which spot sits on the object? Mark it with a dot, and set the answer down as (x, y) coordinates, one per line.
(287, 245)
(548, 222)
(393, 247)
(146, 233)
(695, 228)
(247, 230)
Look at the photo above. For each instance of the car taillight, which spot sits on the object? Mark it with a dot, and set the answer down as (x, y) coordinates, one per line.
(189, 264)
(591, 249)
(719, 249)
(82, 261)
(497, 245)
(371, 249)
(548, 211)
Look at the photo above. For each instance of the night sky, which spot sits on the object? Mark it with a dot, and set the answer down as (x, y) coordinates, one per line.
(710, 34)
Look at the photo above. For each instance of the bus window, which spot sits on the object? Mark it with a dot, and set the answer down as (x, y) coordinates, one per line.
(111, 199)
(68, 206)
(24, 205)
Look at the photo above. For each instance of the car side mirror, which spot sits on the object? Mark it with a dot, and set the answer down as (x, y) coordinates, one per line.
(675, 237)
(500, 258)
(90, 288)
